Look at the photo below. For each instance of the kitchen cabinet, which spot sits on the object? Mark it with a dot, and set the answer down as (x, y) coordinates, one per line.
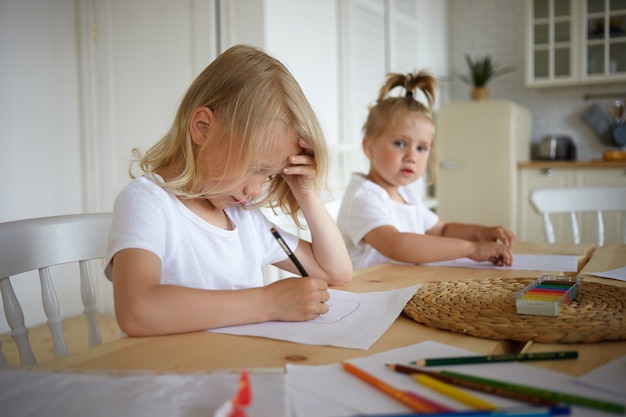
(536, 175)
(575, 42)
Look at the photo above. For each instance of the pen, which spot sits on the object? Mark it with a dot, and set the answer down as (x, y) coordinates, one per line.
(476, 386)
(289, 253)
(515, 357)
(411, 400)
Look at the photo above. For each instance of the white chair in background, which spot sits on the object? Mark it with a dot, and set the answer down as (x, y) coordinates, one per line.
(575, 200)
(40, 243)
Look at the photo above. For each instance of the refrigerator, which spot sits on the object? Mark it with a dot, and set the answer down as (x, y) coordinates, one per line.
(479, 144)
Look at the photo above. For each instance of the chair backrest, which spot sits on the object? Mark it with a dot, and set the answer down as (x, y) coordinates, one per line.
(40, 243)
(575, 200)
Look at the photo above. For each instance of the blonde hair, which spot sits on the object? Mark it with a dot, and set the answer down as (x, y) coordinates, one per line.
(247, 90)
(384, 112)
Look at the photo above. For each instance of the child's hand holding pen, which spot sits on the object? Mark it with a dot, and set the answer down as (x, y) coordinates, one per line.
(297, 299)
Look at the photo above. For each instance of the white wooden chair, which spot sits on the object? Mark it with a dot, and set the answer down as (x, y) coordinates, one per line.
(575, 200)
(40, 243)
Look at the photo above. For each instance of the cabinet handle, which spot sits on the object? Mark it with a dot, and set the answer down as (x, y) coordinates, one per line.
(548, 172)
(451, 165)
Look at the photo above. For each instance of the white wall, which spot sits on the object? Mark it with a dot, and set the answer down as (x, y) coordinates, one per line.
(306, 41)
(41, 169)
(303, 35)
(40, 148)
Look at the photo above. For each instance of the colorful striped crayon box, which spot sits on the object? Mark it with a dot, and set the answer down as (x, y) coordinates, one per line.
(547, 295)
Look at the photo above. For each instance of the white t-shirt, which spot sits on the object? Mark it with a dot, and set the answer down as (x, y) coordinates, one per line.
(193, 252)
(366, 206)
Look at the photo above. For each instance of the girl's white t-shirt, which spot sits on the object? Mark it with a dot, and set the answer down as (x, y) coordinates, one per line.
(193, 253)
(366, 206)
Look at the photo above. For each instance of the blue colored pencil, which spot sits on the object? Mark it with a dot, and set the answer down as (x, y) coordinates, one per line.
(505, 412)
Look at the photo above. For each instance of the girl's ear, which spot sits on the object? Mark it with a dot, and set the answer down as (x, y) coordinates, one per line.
(367, 146)
(202, 120)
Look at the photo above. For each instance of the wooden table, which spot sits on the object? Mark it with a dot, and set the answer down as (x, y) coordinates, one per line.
(206, 351)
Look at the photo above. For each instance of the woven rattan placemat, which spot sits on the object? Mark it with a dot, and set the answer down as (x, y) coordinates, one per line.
(486, 308)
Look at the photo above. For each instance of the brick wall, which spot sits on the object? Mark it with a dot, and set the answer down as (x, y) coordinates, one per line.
(496, 27)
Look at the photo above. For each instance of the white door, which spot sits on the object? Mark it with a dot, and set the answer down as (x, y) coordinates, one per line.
(138, 58)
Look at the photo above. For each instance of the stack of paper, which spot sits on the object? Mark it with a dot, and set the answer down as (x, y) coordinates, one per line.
(334, 392)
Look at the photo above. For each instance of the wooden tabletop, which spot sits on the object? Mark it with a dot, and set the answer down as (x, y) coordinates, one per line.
(206, 351)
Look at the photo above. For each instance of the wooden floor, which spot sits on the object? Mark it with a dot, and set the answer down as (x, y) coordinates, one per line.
(75, 331)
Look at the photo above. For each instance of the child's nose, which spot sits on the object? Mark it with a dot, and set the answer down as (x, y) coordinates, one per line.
(254, 188)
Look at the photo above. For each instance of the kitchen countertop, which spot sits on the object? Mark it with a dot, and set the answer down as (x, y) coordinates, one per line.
(594, 163)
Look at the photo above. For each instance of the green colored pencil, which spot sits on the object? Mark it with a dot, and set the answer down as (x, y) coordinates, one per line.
(570, 399)
(465, 383)
(513, 357)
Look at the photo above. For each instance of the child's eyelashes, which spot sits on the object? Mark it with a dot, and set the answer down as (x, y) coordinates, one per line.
(401, 144)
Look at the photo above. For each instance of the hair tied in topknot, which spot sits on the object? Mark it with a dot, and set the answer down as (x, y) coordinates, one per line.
(409, 94)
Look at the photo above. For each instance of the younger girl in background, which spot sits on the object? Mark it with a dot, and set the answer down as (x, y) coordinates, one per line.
(187, 244)
(381, 218)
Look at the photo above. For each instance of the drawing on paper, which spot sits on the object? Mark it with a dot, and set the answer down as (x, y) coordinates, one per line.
(338, 309)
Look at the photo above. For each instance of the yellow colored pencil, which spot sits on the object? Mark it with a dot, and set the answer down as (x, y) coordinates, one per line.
(453, 392)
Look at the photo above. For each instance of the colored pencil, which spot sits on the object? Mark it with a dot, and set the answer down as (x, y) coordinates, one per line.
(289, 253)
(514, 357)
(411, 400)
(503, 412)
(453, 392)
(570, 399)
(498, 391)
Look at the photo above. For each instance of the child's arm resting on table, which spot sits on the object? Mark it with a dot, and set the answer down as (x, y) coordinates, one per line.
(144, 307)
(418, 248)
(474, 232)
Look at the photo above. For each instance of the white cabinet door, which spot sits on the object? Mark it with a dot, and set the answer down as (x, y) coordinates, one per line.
(572, 42)
(552, 47)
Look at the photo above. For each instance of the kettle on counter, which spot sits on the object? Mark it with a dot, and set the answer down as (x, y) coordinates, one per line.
(557, 148)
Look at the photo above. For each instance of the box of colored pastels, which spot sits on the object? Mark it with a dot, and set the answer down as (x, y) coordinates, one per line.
(547, 295)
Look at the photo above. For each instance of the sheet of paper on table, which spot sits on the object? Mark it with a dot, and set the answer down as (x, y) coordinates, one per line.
(25, 393)
(522, 262)
(619, 273)
(610, 377)
(339, 394)
(354, 320)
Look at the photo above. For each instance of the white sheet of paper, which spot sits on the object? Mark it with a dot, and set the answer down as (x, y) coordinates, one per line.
(610, 377)
(354, 320)
(26, 393)
(619, 273)
(330, 384)
(522, 262)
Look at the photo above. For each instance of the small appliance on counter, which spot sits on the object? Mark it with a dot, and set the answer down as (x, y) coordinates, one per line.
(557, 148)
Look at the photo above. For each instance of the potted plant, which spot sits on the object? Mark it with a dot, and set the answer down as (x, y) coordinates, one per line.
(481, 71)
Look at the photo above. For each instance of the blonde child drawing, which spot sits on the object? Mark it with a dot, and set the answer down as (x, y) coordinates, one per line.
(187, 244)
(381, 218)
